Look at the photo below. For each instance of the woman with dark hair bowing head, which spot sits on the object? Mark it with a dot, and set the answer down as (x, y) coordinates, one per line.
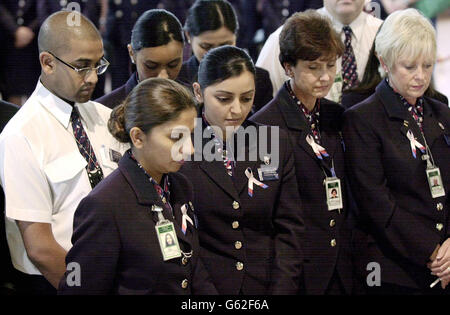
(121, 227)
(398, 148)
(309, 48)
(210, 24)
(156, 49)
(246, 198)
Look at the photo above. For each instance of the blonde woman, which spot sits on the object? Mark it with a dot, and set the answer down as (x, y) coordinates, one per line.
(397, 145)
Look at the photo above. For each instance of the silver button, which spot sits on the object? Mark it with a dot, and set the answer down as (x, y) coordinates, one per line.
(235, 205)
(134, 2)
(184, 283)
(439, 206)
(20, 21)
(63, 3)
(332, 223)
(19, 12)
(21, 3)
(238, 245)
(118, 2)
(235, 225)
(333, 242)
(439, 226)
(119, 14)
(239, 265)
(285, 12)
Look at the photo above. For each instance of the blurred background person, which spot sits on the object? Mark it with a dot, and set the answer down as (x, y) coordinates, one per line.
(19, 24)
(122, 15)
(156, 50)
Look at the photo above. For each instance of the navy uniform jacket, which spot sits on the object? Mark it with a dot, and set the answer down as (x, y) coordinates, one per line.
(248, 242)
(402, 219)
(122, 15)
(352, 98)
(263, 94)
(15, 13)
(115, 242)
(275, 12)
(117, 96)
(89, 8)
(7, 110)
(322, 226)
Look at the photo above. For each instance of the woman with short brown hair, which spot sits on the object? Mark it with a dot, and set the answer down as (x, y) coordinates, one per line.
(309, 48)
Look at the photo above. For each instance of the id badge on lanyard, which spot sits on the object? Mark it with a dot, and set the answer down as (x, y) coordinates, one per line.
(333, 190)
(435, 182)
(333, 193)
(432, 171)
(167, 237)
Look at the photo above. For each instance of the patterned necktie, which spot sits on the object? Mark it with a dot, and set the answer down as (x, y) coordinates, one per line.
(349, 74)
(95, 173)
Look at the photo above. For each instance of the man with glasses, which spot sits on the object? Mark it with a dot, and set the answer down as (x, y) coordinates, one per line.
(55, 150)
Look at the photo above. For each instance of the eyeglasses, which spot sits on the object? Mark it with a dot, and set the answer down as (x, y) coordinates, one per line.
(84, 72)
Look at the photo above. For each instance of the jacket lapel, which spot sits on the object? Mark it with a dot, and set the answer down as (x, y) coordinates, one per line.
(215, 169)
(330, 120)
(218, 174)
(147, 196)
(131, 83)
(432, 126)
(294, 119)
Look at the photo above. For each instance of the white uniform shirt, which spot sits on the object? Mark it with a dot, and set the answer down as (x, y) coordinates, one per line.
(42, 171)
(364, 29)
